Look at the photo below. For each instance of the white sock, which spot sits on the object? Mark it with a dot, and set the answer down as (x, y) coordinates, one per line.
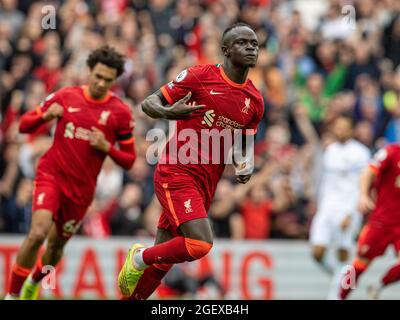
(327, 263)
(137, 259)
(336, 281)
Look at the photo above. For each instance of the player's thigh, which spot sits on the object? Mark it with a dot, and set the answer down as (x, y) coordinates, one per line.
(45, 203)
(373, 241)
(42, 221)
(163, 235)
(320, 231)
(199, 229)
(344, 240)
(54, 241)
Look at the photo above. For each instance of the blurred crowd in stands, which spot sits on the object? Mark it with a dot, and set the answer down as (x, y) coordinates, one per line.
(315, 62)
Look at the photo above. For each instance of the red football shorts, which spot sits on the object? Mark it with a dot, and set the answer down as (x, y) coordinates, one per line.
(375, 238)
(180, 199)
(66, 214)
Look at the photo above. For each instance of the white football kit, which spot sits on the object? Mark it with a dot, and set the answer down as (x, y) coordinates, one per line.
(338, 194)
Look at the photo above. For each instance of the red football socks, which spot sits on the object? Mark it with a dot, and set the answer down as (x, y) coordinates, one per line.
(37, 274)
(171, 251)
(149, 281)
(18, 277)
(392, 275)
(176, 250)
(359, 267)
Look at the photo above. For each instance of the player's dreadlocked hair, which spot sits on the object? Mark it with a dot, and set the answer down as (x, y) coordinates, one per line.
(229, 29)
(108, 56)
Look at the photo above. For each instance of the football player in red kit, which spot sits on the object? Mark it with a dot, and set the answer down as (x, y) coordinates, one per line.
(380, 195)
(214, 97)
(90, 120)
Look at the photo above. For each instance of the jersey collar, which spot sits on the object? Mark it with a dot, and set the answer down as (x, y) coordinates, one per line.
(229, 81)
(87, 96)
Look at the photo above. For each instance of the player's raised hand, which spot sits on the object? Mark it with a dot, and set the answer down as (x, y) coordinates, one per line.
(98, 141)
(366, 204)
(54, 111)
(181, 110)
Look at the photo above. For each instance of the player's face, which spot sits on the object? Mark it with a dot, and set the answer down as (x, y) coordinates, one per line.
(101, 79)
(243, 47)
(343, 129)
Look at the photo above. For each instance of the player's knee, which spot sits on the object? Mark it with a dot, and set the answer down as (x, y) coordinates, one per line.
(197, 248)
(37, 236)
(318, 255)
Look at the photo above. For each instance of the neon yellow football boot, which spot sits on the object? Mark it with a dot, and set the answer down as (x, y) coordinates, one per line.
(30, 290)
(129, 276)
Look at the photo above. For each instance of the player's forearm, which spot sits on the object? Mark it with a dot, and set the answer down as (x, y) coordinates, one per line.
(124, 157)
(31, 121)
(366, 181)
(153, 107)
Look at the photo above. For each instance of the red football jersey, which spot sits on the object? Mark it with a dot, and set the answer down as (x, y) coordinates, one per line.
(71, 159)
(386, 164)
(228, 105)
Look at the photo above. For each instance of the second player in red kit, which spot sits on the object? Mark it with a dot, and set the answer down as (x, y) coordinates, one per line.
(203, 99)
(380, 195)
(90, 120)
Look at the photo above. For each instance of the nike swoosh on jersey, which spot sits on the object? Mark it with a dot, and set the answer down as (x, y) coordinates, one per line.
(71, 109)
(213, 92)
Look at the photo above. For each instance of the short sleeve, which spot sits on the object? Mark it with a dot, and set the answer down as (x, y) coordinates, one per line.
(257, 116)
(381, 160)
(186, 81)
(126, 125)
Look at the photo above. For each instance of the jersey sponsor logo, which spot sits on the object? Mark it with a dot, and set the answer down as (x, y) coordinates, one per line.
(40, 198)
(246, 105)
(188, 206)
(78, 133)
(72, 109)
(170, 85)
(69, 130)
(181, 76)
(208, 118)
(227, 123)
(104, 117)
(215, 92)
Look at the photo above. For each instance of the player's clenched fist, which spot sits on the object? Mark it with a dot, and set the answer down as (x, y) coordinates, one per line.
(54, 111)
(98, 141)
